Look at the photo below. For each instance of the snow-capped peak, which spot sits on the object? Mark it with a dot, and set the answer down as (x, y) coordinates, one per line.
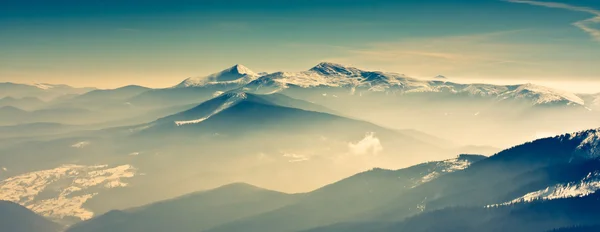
(328, 68)
(241, 69)
(238, 74)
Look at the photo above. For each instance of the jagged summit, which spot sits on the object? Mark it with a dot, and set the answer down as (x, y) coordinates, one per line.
(237, 74)
(328, 68)
(328, 64)
(241, 69)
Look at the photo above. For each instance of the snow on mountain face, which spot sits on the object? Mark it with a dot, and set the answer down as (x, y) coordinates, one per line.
(237, 74)
(306, 79)
(444, 167)
(62, 192)
(336, 75)
(482, 90)
(331, 69)
(232, 99)
(590, 145)
(542, 95)
(333, 75)
(589, 185)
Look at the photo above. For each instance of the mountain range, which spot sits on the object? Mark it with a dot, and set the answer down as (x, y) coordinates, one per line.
(252, 135)
(42, 91)
(325, 75)
(326, 204)
(359, 82)
(142, 159)
(542, 185)
(452, 111)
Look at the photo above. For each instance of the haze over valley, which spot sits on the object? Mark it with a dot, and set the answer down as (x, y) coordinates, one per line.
(289, 132)
(299, 116)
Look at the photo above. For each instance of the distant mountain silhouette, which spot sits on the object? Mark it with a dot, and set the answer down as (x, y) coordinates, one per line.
(254, 209)
(347, 198)
(34, 128)
(11, 115)
(16, 218)
(121, 93)
(194, 212)
(30, 103)
(42, 91)
(462, 194)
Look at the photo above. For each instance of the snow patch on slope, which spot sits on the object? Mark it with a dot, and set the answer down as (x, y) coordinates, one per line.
(233, 98)
(589, 185)
(310, 79)
(65, 188)
(542, 95)
(443, 167)
(43, 86)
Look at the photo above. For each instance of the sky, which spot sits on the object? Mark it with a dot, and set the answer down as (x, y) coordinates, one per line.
(113, 43)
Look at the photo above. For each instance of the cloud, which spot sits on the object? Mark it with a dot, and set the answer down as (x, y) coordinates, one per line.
(585, 25)
(370, 145)
(295, 157)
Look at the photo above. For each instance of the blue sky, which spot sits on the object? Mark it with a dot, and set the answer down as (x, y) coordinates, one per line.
(158, 43)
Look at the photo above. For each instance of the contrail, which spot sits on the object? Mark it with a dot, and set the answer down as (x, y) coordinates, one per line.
(585, 25)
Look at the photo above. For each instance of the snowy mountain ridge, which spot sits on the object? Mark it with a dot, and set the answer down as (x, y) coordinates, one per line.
(356, 80)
